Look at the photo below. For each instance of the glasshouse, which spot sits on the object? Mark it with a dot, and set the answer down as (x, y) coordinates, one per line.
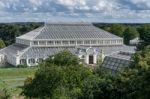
(85, 40)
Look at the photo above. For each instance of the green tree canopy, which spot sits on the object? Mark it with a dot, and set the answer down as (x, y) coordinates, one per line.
(129, 34)
(117, 29)
(9, 31)
(144, 32)
(74, 81)
(137, 76)
(2, 44)
(64, 58)
(60, 76)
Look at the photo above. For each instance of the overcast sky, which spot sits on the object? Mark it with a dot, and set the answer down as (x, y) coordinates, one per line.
(75, 10)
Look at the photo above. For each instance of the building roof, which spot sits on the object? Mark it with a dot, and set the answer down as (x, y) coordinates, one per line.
(34, 52)
(68, 31)
(31, 35)
(117, 61)
(109, 50)
(14, 49)
(44, 52)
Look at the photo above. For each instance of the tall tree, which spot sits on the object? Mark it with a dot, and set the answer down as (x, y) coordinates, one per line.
(144, 32)
(129, 34)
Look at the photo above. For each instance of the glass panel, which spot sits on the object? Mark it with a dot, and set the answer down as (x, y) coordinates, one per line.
(42, 42)
(32, 61)
(50, 43)
(79, 42)
(86, 42)
(93, 42)
(65, 42)
(57, 42)
(72, 42)
(35, 43)
(39, 60)
(107, 42)
(23, 61)
(100, 42)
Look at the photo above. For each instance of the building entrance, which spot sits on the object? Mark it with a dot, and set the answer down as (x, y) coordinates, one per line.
(91, 59)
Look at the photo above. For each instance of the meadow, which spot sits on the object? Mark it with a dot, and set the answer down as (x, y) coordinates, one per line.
(13, 78)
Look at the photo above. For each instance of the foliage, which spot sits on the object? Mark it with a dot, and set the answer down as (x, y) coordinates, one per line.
(44, 83)
(2, 44)
(137, 76)
(4, 94)
(129, 34)
(55, 80)
(9, 31)
(127, 31)
(144, 32)
(74, 81)
(64, 58)
(117, 29)
(142, 59)
(22, 66)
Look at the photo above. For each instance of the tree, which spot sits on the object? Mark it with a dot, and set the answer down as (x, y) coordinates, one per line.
(2, 44)
(144, 32)
(58, 78)
(46, 81)
(129, 34)
(117, 29)
(74, 81)
(132, 83)
(137, 76)
(9, 31)
(64, 58)
(4, 94)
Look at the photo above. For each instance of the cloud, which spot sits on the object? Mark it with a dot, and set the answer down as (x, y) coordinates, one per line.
(58, 5)
(84, 9)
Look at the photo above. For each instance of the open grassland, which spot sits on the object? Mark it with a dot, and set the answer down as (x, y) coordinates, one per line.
(13, 78)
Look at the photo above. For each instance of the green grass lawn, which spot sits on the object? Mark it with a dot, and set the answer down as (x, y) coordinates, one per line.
(14, 78)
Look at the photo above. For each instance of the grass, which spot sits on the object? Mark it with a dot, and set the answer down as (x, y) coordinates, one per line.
(14, 78)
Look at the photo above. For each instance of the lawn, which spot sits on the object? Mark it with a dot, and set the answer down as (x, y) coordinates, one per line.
(14, 78)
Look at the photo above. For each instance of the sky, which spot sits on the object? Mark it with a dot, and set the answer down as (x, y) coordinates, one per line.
(109, 11)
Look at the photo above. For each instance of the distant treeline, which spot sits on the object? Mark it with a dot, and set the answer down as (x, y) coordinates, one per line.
(8, 31)
(119, 28)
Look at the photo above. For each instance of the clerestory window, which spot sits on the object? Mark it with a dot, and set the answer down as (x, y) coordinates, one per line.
(50, 42)
(72, 42)
(57, 42)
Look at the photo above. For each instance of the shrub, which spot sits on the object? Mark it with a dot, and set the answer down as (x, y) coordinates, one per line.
(22, 66)
(4, 94)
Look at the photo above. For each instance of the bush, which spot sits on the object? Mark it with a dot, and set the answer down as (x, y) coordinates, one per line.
(22, 66)
(4, 94)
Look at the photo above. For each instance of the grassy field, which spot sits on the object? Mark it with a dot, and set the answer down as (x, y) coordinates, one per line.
(14, 78)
